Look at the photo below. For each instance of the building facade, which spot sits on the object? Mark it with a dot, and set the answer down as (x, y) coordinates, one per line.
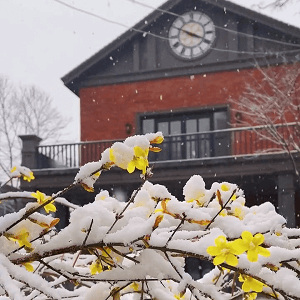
(181, 70)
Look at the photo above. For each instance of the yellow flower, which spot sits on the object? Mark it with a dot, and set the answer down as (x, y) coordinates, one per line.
(21, 237)
(226, 251)
(28, 266)
(28, 178)
(158, 140)
(96, 267)
(121, 155)
(135, 286)
(250, 296)
(250, 284)
(158, 219)
(22, 171)
(179, 296)
(41, 199)
(43, 224)
(198, 198)
(238, 212)
(225, 187)
(139, 161)
(88, 185)
(163, 208)
(252, 245)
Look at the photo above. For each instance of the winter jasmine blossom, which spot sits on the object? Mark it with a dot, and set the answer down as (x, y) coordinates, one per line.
(121, 155)
(135, 286)
(226, 251)
(252, 244)
(139, 161)
(42, 199)
(157, 140)
(88, 183)
(96, 267)
(250, 284)
(21, 237)
(22, 171)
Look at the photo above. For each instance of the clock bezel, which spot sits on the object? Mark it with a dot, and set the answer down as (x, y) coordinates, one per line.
(211, 38)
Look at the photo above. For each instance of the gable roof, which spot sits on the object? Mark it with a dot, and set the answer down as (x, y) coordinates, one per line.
(73, 78)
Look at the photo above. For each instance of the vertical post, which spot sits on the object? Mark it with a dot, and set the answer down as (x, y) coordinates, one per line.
(286, 198)
(136, 55)
(29, 145)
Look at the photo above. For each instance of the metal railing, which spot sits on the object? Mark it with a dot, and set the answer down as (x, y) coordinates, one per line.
(218, 143)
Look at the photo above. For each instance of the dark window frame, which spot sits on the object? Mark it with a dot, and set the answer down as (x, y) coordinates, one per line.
(193, 144)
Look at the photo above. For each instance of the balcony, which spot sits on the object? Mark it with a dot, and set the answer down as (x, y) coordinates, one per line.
(246, 156)
(242, 141)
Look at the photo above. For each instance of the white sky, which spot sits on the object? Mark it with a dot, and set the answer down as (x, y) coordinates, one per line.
(41, 40)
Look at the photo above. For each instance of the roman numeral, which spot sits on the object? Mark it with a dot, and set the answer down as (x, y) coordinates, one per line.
(176, 45)
(206, 41)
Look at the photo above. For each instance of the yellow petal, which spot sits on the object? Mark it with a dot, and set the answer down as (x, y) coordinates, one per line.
(257, 286)
(252, 255)
(158, 219)
(111, 155)
(135, 286)
(50, 207)
(138, 151)
(225, 187)
(157, 140)
(220, 241)
(251, 296)
(28, 267)
(96, 267)
(54, 222)
(219, 260)
(131, 167)
(87, 187)
(247, 236)
(264, 252)
(238, 247)
(231, 259)
(258, 239)
(213, 250)
(155, 149)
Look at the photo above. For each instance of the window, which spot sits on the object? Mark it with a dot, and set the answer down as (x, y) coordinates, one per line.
(189, 134)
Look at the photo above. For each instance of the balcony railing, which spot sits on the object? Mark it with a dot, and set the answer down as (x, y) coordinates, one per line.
(218, 143)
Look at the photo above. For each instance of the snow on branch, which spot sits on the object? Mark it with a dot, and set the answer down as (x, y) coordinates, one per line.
(137, 250)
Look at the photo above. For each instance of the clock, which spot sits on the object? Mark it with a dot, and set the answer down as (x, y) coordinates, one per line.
(191, 35)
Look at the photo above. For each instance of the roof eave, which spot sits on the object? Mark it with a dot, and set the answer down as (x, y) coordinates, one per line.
(70, 79)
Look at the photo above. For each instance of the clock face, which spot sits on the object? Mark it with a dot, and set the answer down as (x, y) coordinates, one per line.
(192, 35)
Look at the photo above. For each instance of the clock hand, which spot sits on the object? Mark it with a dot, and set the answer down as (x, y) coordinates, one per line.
(189, 33)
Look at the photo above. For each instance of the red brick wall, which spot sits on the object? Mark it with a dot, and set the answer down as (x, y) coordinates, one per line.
(106, 109)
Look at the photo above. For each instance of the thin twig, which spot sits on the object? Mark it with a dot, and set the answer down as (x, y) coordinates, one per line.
(176, 229)
(84, 242)
(120, 215)
(222, 208)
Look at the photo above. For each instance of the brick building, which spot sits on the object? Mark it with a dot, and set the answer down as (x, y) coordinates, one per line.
(175, 72)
